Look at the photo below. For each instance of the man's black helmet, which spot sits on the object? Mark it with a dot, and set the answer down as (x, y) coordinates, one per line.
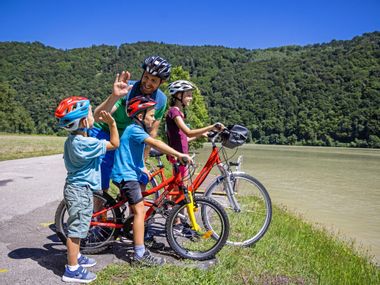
(157, 66)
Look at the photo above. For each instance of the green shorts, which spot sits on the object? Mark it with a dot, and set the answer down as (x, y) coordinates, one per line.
(79, 204)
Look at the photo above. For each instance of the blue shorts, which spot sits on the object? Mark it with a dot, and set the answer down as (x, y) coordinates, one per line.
(107, 159)
(79, 204)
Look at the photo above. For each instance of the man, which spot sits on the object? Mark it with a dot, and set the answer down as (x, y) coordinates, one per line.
(156, 71)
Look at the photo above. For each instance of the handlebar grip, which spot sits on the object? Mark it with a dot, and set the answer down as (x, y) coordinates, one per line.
(184, 161)
(218, 126)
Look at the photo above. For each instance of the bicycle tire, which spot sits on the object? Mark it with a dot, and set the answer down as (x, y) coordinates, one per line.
(204, 244)
(250, 224)
(98, 238)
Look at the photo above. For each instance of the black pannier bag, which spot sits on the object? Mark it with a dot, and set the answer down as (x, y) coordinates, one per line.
(234, 136)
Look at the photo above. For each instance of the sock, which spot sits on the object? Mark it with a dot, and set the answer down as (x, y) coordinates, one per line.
(79, 255)
(139, 250)
(73, 268)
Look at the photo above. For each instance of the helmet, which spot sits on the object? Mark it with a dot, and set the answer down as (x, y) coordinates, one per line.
(139, 104)
(70, 111)
(180, 86)
(157, 66)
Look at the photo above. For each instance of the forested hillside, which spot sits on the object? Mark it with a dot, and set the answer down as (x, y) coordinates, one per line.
(323, 94)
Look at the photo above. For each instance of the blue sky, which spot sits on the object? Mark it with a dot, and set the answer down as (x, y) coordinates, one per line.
(248, 24)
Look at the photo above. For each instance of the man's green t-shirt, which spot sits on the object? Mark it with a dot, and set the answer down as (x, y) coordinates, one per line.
(120, 115)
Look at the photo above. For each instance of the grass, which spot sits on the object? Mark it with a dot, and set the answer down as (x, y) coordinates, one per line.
(292, 252)
(23, 146)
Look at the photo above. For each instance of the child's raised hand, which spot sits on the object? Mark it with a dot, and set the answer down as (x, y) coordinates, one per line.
(120, 86)
(106, 117)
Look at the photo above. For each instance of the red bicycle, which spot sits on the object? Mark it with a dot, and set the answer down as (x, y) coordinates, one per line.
(204, 222)
(245, 199)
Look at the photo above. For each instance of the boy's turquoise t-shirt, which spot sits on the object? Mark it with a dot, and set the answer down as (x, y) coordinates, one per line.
(129, 157)
(82, 156)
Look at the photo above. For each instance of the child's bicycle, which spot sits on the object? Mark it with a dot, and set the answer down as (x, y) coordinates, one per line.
(245, 199)
(204, 223)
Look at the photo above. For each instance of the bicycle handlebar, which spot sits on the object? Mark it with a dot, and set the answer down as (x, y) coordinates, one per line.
(213, 135)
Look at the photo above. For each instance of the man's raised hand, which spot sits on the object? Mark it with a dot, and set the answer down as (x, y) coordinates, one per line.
(120, 86)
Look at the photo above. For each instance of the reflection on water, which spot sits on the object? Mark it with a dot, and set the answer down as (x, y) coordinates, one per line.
(336, 187)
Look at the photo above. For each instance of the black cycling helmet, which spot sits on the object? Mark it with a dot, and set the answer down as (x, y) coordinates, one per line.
(157, 66)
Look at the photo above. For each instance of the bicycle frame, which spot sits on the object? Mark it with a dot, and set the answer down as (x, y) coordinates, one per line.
(172, 186)
(213, 159)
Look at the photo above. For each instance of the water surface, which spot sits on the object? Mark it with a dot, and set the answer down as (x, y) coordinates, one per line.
(336, 187)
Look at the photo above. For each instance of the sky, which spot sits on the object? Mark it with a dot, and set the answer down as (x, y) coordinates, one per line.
(246, 24)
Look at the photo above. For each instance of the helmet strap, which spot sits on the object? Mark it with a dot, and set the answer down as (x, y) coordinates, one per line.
(141, 122)
(181, 100)
(84, 130)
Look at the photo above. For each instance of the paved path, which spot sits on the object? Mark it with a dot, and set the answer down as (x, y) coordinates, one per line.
(30, 191)
(30, 252)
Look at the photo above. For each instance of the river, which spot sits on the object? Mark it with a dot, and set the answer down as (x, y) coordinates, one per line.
(338, 188)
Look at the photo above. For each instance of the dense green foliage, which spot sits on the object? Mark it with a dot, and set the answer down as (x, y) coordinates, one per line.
(323, 94)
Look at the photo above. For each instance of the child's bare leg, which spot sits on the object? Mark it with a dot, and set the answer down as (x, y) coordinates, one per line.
(72, 250)
(138, 223)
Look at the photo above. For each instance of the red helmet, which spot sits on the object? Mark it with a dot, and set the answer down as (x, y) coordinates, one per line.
(70, 111)
(139, 104)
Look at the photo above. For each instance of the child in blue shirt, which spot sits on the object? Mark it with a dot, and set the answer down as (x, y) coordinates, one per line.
(82, 161)
(129, 169)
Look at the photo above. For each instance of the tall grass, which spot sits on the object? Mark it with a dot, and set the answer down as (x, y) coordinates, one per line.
(292, 252)
(22, 146)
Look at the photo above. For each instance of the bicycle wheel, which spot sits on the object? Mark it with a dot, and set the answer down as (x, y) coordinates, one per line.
(98, 238)
(248, 225)
(204, 243)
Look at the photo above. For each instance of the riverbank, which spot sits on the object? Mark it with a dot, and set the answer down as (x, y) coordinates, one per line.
(338, 188)
(292, 252)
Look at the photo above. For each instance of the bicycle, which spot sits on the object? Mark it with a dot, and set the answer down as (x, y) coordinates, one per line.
(206, 221)
(245, 199)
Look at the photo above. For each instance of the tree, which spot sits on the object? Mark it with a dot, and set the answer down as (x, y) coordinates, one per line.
(13, 116)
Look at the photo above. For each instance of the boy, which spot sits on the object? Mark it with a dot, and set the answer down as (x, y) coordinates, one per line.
(129, 169)
(82, 161)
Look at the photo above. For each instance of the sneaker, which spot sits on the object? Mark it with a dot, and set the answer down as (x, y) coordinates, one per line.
(148, 259)
(153, 244)
(85, 261)
(81, 275)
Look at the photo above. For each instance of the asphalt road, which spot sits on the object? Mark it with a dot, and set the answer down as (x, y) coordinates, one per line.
(30, 251)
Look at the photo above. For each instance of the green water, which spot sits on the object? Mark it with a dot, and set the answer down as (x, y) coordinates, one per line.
(338, 188)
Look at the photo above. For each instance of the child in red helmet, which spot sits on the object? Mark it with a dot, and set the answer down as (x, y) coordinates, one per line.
(129, 169)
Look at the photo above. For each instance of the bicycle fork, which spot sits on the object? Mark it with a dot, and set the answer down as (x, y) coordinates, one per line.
(190, 212)
(228, 187)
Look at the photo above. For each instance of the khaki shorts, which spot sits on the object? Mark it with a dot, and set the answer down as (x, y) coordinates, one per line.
(79, 204)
